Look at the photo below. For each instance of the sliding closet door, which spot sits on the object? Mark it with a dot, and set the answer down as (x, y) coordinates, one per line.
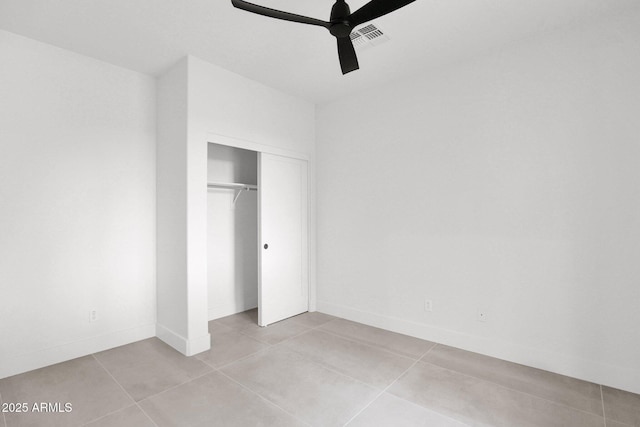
(283, 289)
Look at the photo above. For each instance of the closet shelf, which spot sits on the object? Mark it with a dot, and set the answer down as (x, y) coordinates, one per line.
(232, 185)
(239, 188)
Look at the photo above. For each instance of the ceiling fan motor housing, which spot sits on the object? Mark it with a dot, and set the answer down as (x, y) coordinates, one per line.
(339, 25)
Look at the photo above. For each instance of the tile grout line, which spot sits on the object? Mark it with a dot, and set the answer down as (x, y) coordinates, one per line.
(420, 359)
(293, 319)
(261, 342)
(309, 328)
(436, 344)
(415, 361)
(385, 389)
(107, 414)
(604, 415)
(319, 328)
(221, 367)
(126, 392)
(428, 351)
(381, 348)
(279, 342)
(253, 338)
(330, 369)
(301, 333)
(146, 415)
(335, 371)
(181, 384)
(239, 332)
(270, 346)
(462, 423)
(513, 389)
(322, 365)
(263, 398)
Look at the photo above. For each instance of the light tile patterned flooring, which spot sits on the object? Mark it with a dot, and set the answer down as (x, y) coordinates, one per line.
(312, 369)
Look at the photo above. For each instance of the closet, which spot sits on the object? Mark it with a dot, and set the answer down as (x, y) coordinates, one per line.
(257, 239)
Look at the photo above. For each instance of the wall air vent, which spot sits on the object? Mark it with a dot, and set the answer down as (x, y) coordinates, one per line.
(368, 36)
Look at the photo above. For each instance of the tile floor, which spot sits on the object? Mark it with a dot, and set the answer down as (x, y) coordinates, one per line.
(312, 369)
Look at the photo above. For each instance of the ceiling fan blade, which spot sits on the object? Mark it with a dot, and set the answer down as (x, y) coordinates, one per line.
(375, 9)
(278, 14)
(347, 54)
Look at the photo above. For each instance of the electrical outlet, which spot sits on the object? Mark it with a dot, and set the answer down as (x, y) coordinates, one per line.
(93, 315)
(428, 305)
(482, 315)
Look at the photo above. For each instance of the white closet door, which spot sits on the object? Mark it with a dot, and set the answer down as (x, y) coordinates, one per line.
(283, 289)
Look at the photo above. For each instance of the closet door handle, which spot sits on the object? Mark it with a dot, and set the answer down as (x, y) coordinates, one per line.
(266, 246)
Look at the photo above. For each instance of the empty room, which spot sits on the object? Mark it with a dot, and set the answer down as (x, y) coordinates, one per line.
(320, 213)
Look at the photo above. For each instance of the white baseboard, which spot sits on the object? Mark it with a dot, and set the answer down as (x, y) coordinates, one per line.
(572, 366)
(188, 347)
(198, 345)
(19, 364)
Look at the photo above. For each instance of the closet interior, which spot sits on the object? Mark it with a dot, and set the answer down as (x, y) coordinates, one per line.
(232, 224)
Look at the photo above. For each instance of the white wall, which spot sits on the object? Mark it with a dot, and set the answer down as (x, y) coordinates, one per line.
(232, 232)
(220, 107)
(508, 183)
(230, 109)
(227, 108)
(77, 205)
(171, 186)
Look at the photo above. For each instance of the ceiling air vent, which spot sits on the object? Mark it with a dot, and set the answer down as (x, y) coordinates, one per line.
(367, 37)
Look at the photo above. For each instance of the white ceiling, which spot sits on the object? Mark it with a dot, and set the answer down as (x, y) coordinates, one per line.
(150, 35)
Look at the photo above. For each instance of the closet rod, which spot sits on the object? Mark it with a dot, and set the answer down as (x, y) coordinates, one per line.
(232, 185)
(238, 188)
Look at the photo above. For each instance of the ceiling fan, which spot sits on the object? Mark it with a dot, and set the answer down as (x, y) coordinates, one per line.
(340, 24)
